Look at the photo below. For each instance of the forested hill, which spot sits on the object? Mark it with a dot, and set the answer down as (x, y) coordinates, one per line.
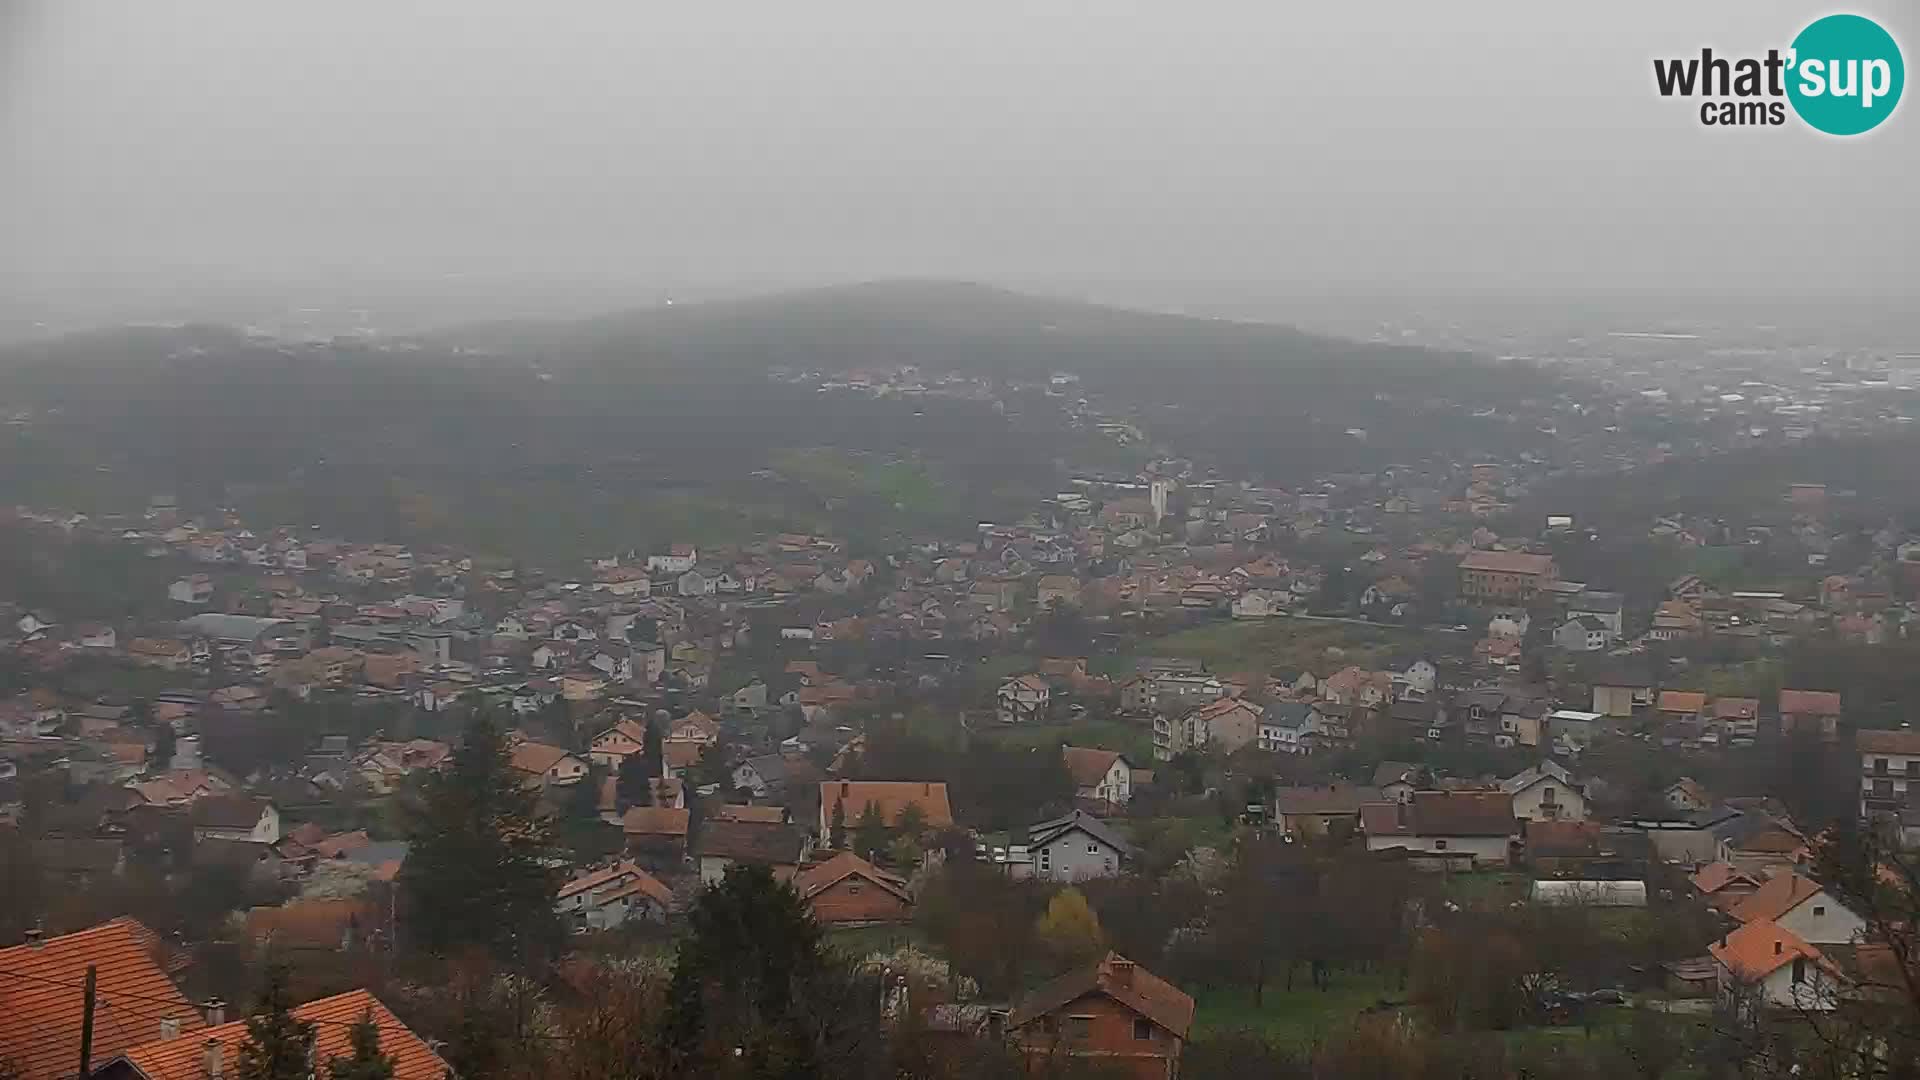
(1247, 395)
(567, 422)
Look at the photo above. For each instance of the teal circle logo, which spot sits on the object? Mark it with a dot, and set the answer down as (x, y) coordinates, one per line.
(1845, 75)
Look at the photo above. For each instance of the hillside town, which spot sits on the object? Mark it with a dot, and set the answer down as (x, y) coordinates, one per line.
(1161, 677)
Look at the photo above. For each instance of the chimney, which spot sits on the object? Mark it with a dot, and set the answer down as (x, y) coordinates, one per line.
(36, 937)
(1122, 971)
(212, 1058)
(169, 1027)
(216, 1010)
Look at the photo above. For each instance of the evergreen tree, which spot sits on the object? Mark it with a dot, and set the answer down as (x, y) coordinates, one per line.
(756, 991)
(636, 787)
(837, 832)
(476, 873)
(366, 1062)
(870, 833)
(652, 754)
(277, 1047)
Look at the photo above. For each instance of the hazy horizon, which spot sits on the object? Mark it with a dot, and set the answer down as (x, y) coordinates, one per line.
(597, 156)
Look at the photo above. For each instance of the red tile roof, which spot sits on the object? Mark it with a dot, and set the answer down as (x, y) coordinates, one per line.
(333, 1019)
(824, 875)
(41, 998)
(1507, 562)
(891, 796)
(1761, 948)
(1120, 979)
(1088, 765)
(1815, 702)
(1781, 894)
(1887, 742)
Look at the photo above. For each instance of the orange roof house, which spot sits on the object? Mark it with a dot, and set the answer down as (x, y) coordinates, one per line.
(42, 998)
(188, 1056)
(891, 796)
(1114, 1012)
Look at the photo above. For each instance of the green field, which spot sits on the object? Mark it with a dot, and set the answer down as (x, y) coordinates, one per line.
(1300, 1016)
(1130, 738)
(1294, 644)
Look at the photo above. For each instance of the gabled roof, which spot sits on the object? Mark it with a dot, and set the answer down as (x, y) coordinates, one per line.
(623, 878)
(1088, 765)
(772, 843)
(41, 1006)
(1779, 895)
(654, 821)
(1507, 562)
(1046, 832)
(1463, 813)
(228, 811)
(1816, 702)
(536, 758)
(1327, 799)
(1715, 876)
(1120, 979)
(1396, 772)
(1887, 742)
(891, 796)
(1682, 701)
(1763, 947)
(822, 876)
(333, 1019)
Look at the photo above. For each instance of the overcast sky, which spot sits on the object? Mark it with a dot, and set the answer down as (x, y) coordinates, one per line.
(1405, 145)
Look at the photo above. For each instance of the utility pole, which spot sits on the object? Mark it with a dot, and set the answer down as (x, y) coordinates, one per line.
(86, 1024)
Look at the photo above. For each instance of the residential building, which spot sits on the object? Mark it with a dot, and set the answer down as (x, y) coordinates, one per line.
(1288, 727)
(548, 766)
(1074, 847)
(1782, 970)
(1505, 576)
(215, 1052)
(1545, 792)
(235, 817)
(727, 842)
(1802, 906)
(40, 1032)
(1474, 827)
(1333, 809)
(1022, 699)
(607, 897)
(890, 797)
(1115, 1013)
(847, 890)
(1890, 771)
(1582, 633)
(1816, 711)
(1099, 776)
(656, 835)
(1227, 725)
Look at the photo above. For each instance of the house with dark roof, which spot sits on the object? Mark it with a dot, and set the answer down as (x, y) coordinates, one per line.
(1114, 1012)
(1076, 846)
(723, 843)
(1320, 810)
(1475, 827)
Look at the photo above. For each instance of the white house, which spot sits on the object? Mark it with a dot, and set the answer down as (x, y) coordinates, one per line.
(1889, 770)
(1259, 604)
(605, 898)
(1545, 792)
(1022, 699)
(1582, 633)
(1476, 827)
(1777, 966)
(678, 560)
(197, 589)
(697, 583)
(235, 817)
(1802, 907)
(1104, 776)
(549, 766)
